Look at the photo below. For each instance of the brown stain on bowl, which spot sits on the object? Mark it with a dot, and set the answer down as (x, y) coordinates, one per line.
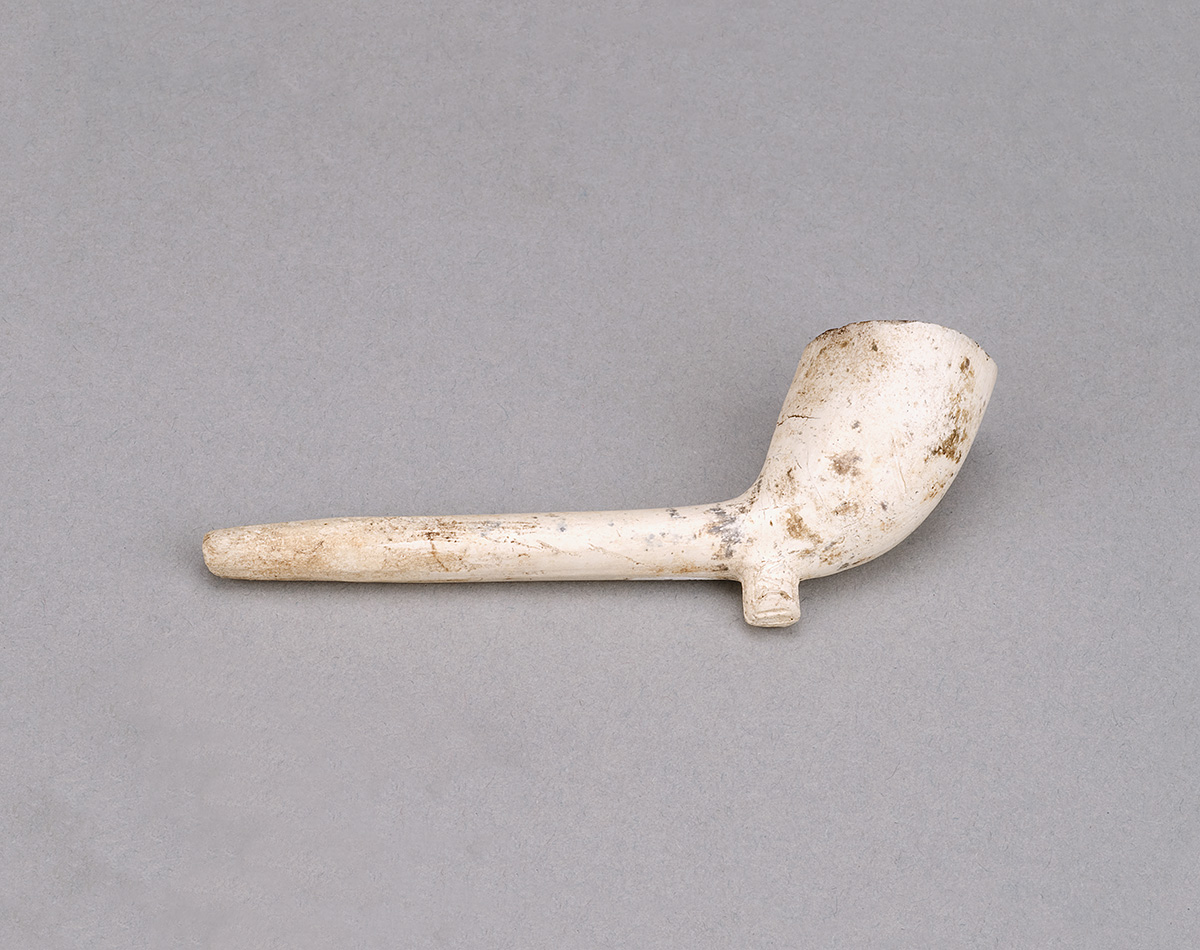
(796, 528)
(846, 463)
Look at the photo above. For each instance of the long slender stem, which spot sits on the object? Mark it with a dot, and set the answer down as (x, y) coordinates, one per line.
(594, 545)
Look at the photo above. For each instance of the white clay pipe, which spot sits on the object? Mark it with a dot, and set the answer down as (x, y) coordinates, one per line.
(874, 429)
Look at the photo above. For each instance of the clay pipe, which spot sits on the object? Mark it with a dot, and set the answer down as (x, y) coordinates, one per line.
(874, 429)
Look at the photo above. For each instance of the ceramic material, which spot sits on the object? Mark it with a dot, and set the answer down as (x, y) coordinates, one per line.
(874, 429)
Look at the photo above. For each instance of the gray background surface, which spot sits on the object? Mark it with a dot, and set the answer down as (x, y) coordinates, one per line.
(266, 261)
